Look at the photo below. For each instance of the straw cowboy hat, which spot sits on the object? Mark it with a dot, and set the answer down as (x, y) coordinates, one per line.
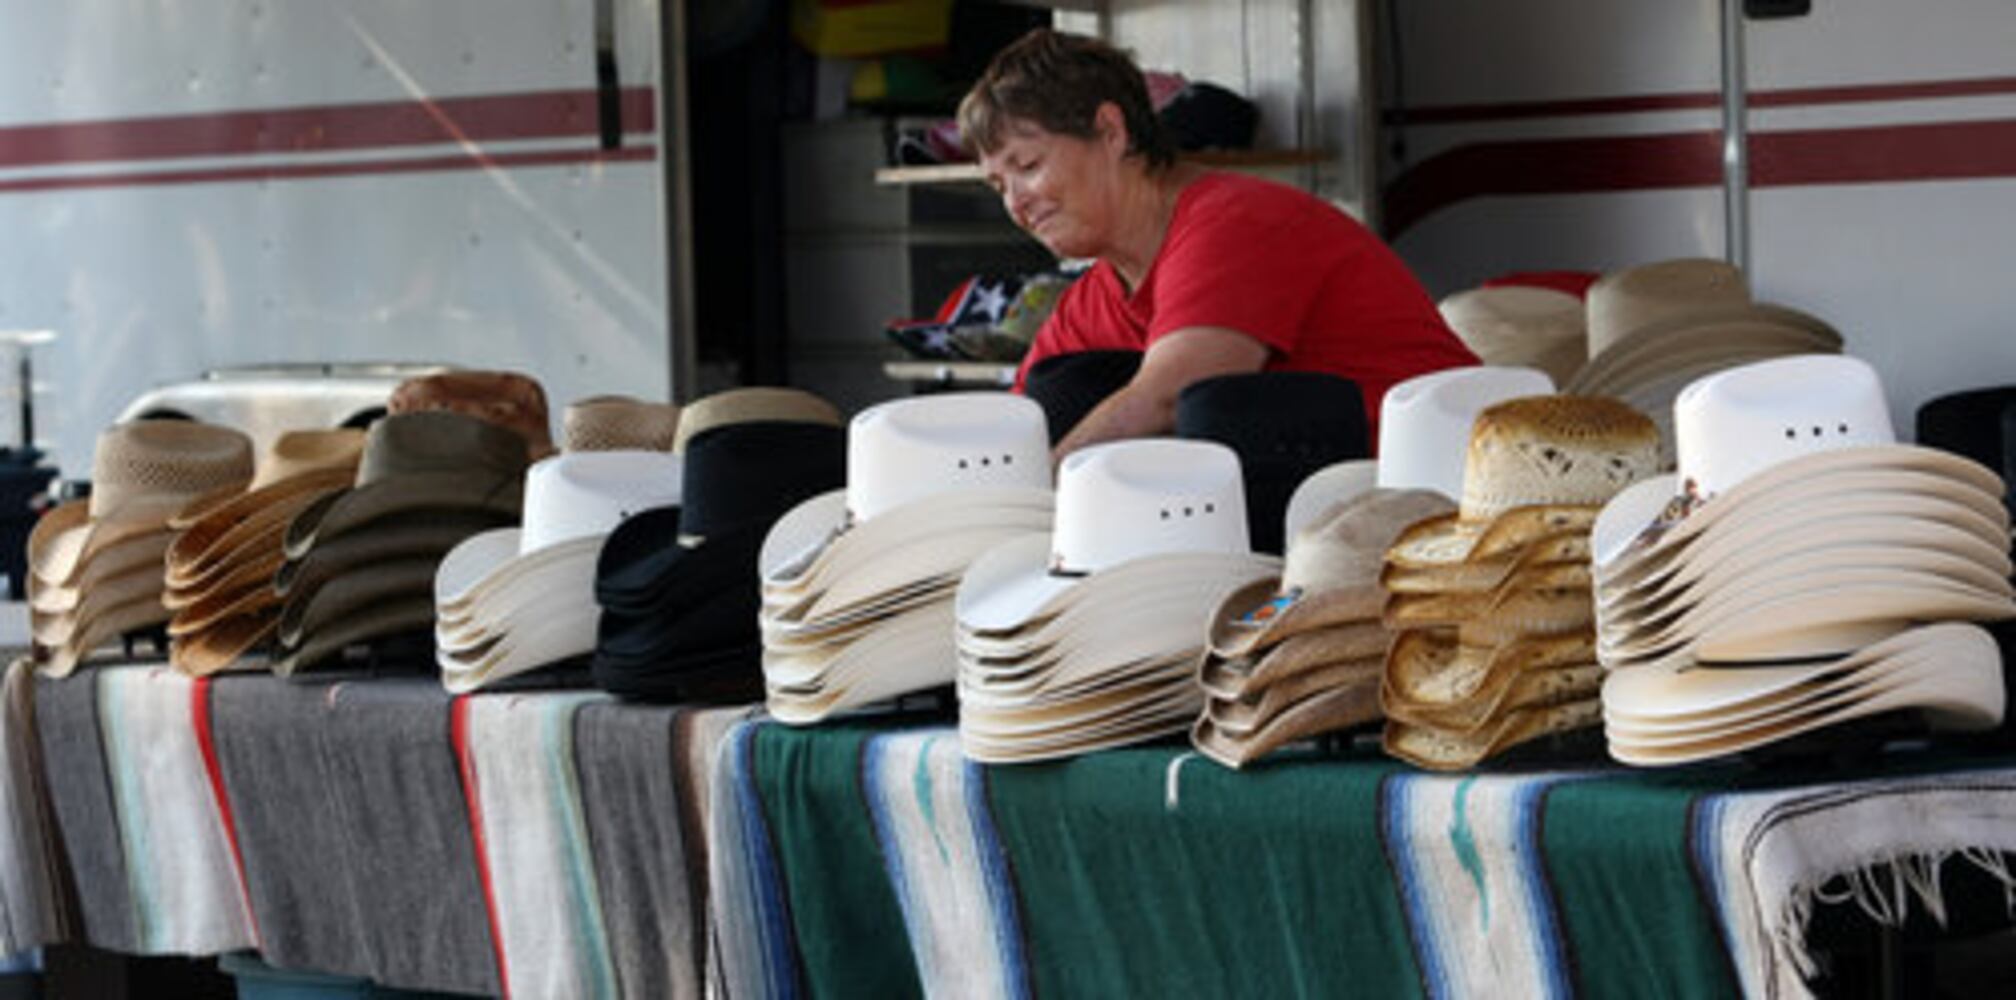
(1439, 749)
(507, 399)
(142, 473)
(514, 599)
(1521, 326)
(1534, 467)
(419, 461)
(219, 530)
(1331, 575)
(1425, 422)
(1235, 741)
(618, 423)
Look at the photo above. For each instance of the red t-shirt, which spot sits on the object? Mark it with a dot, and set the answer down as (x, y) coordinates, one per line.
(1274, 263)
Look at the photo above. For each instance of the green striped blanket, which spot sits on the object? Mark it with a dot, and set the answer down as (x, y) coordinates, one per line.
(853, 861)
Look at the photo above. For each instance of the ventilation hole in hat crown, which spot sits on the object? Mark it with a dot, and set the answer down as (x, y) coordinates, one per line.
(1165, 515)
(984, 460)
(962, 463)
(1790, 433)
(1816, 432)
(1007, 460)
(1844, 428)
(1210, 508)
(1188, 512)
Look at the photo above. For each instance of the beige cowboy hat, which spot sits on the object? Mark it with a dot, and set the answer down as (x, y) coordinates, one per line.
(1547, 599)
(1521, 326)
(756, 403)
(1331, 574)
(1337, 707)
(1534, 465)
(54, 630)
(416, 462)
(1242, 717)
(1297, 654)
(298, 466)
(1713, 338)
(118, 559)
(1445, 750)
(222, 644)
(101, 628)
(142, 473)
(618, 423)
(1625, 300)
(508, 400)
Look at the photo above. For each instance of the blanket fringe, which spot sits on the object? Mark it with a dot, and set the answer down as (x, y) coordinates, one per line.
(1885, 889)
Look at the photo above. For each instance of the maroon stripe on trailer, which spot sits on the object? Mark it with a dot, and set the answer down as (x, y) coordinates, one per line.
(302, 171)
(1884, 154)
(321, 129)
(1698, 100)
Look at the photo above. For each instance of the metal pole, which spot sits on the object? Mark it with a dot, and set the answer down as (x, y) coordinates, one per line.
(674, 151)
(27, 401)
(1735, 139)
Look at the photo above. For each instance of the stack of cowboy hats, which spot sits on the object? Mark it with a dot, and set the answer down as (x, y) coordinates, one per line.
(1087, 637)
(1284, 426)
(509, 400)
(360, 563)
(96, 565)
(512, 600)
(1496, 642)
(1521, 326)
(220, 566)
(618, 423)
(1801, 547)
(858, 583)
(1657, 327)
(1301, 654)
(677, 585)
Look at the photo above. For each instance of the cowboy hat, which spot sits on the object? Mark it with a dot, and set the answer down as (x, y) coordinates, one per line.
(1520, 326)
(142, 472)
(1536, 464)
(1299, 653)
(1625, 300)
(1324, 489)
(1331, 575)
(419, 461)
(508, 400)
(1447, 750)
(1425, 422)
(618, 423)
(1430, 672)
(1283, 425)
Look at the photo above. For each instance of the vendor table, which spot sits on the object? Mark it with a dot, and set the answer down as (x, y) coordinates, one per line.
(562, 844)
(856, 861)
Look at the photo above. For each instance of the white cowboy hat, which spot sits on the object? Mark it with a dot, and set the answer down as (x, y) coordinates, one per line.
(1425, 422)
(910, 652)
(917, 456)
(501, 582)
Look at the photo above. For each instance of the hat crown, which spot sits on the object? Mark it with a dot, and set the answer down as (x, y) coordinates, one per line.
(1124, 500)
(751, 404)
(1623, 301)
(1555, 450)
(909, 449)
(1324, 489)
(1426, 421)
(169, 461)
(301, 453)
(1738, 422)
(1348, 545)
(1509, 315)
(436, 441)
(618, 423)
(576, 495)
(507, 399)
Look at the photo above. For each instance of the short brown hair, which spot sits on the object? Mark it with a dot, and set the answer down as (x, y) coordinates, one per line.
(1058, 81)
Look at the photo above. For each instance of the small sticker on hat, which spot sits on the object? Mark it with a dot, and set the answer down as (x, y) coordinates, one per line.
(1265, 614)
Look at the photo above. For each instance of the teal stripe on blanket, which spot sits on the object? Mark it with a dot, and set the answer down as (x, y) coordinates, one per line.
(849, 929)
(1221, 896)
(1638, 919)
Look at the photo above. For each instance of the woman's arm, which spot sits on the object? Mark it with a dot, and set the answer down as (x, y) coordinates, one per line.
(1147, 405)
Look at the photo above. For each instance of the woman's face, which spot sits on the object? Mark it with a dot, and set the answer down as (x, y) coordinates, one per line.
(1058, 188)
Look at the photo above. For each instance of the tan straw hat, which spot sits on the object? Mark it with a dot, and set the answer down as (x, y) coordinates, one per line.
(141, 474)
(618, 423)
(1625, 300)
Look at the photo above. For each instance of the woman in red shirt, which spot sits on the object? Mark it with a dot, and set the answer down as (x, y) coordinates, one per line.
(1207, 273)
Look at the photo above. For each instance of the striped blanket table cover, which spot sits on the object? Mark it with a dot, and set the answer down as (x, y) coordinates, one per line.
(857, 861)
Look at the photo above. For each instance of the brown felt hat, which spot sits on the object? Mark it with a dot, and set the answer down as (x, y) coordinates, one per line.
(509, 400)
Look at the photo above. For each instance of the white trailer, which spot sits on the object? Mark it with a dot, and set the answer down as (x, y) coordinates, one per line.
(475, 182)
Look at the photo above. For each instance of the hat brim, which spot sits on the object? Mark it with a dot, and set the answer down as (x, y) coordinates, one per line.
(207, 547)
(1544, 600)
(1245, 716)
(223, 644)
(337, 514)
(305, 613)
(1632, 534)
(1821, 686)
(244, 592)
(1733, 322)
(100, 629)
(422, 534)
(56, 629)
(1447, 540)
(911, 652)
(130, 556)
(1239, 678)
(487, 577)
(1259, 615)
(1347, 705)
(1437, 750)
(396, 616)
(1430, 672)
(812, 545)
(552, 639)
